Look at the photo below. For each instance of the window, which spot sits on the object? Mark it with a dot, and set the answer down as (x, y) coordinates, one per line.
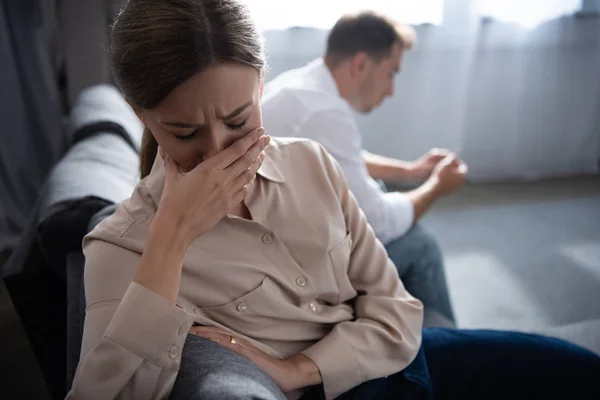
(281, 14)
(527, 13)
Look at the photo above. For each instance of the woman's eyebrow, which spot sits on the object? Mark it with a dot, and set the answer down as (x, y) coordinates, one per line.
(237, 111)
(181, 125)
(232, 114)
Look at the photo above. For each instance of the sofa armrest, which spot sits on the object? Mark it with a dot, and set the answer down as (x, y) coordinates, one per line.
(75, 312)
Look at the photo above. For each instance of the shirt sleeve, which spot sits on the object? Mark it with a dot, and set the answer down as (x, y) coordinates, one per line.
(133, 337)
(390, 214)
(385, 335)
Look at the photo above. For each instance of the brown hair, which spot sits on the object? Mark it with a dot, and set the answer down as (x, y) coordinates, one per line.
(156, 45)
(368, 32)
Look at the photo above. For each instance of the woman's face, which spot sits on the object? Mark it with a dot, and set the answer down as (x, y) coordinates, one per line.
(207, 113)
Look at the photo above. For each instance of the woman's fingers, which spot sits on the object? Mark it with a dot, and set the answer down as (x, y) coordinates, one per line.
(241, 194)
(246, 161)
(219, 336)
(214, 337)
(250, 159)
(231, 154)
(246, 176)
(171, 167)
(215, 334)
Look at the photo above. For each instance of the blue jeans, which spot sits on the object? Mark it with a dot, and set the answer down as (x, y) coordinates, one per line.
(419, 262)
(483, 364)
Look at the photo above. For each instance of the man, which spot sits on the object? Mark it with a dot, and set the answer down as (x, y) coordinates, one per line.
(318, 101)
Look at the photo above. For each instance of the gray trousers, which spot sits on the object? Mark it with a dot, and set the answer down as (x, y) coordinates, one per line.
(209, 371)
(418, 259)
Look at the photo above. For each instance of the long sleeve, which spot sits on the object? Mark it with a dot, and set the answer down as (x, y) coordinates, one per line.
(133, 338)
(385, 335)
(390, 214)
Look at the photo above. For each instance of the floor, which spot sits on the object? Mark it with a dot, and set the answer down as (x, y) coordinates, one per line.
(519, 256)
(522, 256)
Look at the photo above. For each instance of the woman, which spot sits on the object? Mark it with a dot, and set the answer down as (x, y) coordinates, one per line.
(258, 246)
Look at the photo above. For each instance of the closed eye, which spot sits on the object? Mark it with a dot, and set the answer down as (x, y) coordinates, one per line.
(194, 133)
(238, 126)
(186, 137)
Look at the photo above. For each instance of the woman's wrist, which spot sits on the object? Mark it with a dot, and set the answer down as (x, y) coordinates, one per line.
(162, 259)
(171, 230)
(305, 370)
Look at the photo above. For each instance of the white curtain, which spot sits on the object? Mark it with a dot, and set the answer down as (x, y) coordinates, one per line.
(281, 14)
(527, 13)
(518, 96)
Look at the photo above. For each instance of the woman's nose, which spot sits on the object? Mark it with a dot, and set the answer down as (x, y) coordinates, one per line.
(217, 142)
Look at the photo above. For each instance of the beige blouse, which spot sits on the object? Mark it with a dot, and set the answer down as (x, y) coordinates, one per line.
(306, 274)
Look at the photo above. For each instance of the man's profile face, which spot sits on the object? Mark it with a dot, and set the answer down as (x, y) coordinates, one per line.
(379, 79)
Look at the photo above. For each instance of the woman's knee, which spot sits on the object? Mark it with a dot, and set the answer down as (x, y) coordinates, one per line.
(209, 371)
(225, 386)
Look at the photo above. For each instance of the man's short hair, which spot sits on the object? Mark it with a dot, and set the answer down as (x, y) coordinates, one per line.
(368, 32)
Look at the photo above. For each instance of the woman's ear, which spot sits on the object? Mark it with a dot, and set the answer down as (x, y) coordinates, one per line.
(262, 84)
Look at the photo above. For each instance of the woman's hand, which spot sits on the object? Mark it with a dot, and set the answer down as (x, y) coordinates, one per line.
(198, 199)
(191, 204)
(290, 374)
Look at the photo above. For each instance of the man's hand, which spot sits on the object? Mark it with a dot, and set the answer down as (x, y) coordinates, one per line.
(290, 374)
(422, 168)
(449, 175)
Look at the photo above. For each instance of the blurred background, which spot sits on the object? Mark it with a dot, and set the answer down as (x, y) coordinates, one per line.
(512, 86)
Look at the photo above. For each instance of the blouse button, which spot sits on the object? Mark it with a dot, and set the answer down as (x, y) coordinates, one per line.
(267, 238)
(242, 307)
(300, 281)
(173, 352)
(312, 306)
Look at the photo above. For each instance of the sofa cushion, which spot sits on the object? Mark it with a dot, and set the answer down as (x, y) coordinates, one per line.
(100, 168)
(105, 104)
(61, 232)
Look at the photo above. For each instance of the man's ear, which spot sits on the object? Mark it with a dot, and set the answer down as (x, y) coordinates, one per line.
(136, 110)
(358, 63)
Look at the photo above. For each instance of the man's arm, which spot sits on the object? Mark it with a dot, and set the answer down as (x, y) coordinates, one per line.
(422, 198)
(390, 214)
(448, 176)
(386, 168)
(391, 169)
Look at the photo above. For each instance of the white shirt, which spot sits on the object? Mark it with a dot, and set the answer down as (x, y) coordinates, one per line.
(305, 102)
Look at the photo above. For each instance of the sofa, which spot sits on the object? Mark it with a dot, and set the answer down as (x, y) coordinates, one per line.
(44, 274)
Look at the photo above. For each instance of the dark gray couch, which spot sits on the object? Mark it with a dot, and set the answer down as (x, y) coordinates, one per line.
(44, 273)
